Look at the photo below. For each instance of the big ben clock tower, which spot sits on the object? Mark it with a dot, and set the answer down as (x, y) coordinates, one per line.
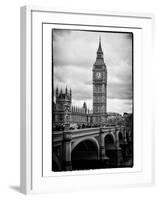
(99, 88)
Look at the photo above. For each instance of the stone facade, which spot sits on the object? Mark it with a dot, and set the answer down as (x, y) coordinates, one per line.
(62, 108)
(66, 115)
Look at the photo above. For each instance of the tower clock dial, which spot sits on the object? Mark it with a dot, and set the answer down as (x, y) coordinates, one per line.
(98, 75)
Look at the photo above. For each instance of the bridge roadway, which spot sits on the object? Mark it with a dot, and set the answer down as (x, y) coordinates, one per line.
(103, 139)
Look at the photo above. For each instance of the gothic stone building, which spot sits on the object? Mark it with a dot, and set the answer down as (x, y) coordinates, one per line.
(65, 114)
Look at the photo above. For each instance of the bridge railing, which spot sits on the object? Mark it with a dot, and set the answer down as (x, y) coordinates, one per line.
(112, 128)
(84, 132)
(59, 136)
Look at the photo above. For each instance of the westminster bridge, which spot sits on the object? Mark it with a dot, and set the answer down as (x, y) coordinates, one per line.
(92, 148)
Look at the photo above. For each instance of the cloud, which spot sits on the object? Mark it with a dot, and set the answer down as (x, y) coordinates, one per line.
(119, 105)
(74, 53)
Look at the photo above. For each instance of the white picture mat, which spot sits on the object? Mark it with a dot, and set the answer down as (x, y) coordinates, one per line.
(47, 97)
(144, 175)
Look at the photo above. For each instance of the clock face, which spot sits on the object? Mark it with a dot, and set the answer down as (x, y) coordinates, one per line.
(98, 75)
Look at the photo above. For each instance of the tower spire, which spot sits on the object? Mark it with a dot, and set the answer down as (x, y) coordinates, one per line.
(100, 47)
(100, 41)
(99, 51)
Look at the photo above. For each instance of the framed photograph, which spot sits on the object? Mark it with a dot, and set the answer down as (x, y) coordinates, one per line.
(86, 100)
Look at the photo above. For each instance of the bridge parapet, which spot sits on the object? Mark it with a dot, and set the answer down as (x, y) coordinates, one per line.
(73, 134)
(85, 132)
(113, 128)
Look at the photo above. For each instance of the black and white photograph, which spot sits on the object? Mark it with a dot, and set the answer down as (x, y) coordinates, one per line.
(92, 99)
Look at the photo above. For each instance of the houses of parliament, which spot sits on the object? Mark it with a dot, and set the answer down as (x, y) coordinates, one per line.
(65, 114)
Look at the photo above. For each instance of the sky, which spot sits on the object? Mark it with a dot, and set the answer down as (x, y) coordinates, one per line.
(74, 53)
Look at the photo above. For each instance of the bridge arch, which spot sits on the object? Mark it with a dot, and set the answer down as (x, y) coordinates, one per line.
(85, 154)
(92, 139)
(120, 137)
(110, 148)
(110, 135)
(109, 141)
